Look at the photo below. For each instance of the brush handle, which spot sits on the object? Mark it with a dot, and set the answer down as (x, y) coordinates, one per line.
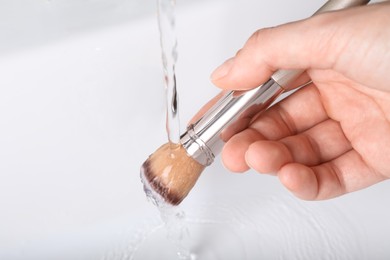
(232, 113)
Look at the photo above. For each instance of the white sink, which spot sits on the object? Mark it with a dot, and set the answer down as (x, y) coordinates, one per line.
(81, 107)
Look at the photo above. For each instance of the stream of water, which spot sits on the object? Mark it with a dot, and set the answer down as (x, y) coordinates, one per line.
(172, 216)
(168, 42)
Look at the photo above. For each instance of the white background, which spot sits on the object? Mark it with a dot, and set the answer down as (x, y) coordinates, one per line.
(81, 107)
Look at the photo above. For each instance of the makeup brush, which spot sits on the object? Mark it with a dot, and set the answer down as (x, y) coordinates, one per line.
(171, 173)
(173, 169)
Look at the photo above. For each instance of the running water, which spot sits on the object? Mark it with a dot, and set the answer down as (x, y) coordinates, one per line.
(168, 42)
(172, 216)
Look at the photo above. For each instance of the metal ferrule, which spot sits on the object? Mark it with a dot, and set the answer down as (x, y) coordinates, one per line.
(232, 113)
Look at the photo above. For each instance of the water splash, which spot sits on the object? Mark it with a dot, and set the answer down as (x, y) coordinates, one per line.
(174, 219)
(262, 227)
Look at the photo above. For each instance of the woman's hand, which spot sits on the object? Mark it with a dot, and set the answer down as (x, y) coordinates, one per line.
(332, 136)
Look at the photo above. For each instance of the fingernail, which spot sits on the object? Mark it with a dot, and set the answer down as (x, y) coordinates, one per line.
(222, 70)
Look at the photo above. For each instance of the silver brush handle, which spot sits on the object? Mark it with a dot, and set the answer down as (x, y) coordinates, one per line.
(205, 138)
(232, 113)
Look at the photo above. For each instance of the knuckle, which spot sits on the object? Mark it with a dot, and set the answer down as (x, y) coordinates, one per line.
(260, 35)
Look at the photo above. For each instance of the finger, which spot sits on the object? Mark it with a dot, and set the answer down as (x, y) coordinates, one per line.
(267, 156)
(233, 153)
(300, 111)
(317, 145)
(266, 51)
(296, 113)
(318, 42)
(321, 143)
(346, 173)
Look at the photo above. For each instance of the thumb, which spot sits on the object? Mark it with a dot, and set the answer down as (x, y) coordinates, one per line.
(315, 42)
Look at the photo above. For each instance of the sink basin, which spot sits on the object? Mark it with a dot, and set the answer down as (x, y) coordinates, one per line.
(82, 106)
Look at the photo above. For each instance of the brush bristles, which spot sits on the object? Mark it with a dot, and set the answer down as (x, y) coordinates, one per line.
(171, 172)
